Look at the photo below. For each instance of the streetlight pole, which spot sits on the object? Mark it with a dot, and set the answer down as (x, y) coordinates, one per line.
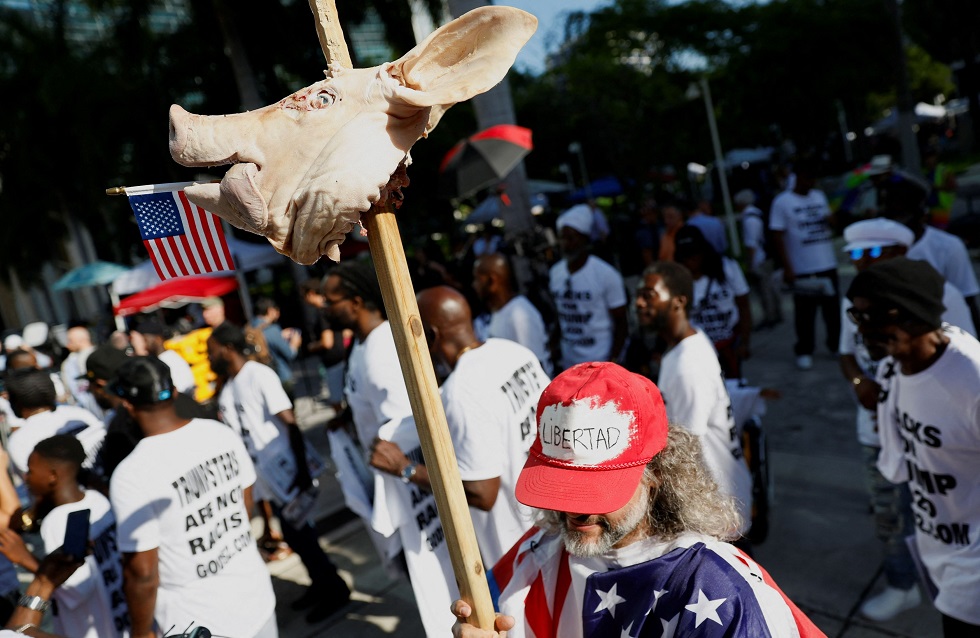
(576, 148)
(722, 169)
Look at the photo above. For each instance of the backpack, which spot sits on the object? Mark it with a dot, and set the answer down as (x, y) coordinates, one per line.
(258, 347)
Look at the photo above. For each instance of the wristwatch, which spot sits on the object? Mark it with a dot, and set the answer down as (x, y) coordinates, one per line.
(34, 603)
(408, 472)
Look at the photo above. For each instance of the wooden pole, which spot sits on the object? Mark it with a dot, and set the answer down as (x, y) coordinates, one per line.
(423, 393)
(416, 363)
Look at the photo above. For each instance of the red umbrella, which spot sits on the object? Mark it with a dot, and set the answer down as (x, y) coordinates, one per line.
(176, 292)
(483, 159)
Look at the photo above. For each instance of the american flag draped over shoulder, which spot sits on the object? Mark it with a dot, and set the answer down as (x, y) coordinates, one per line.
(182, 239)
(706, 589)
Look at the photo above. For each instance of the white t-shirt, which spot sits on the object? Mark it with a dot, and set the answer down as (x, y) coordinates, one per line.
(947, 254)
(412, 511)
(490, 400)
(182, 493)
(90, 603)
(249, 403)
(518, 320)
(754, 235)
(714, 309)
(374, 387)
(930, 437)
(583, 300)
(956, 314)
(694, 393)
(803, 220)
(180, 372)
(64, 419)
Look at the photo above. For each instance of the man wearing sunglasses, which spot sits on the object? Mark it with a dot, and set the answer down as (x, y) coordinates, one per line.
(929, 423)
(870, 242)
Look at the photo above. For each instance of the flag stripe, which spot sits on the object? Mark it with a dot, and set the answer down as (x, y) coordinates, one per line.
(198, 220)
(169, 245)
(190, 239)
(161, 254)
(195, 215)
(148, 244)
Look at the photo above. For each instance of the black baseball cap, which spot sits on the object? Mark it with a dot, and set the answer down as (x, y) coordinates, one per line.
(103, 363)
(150, 326)
(143, 381)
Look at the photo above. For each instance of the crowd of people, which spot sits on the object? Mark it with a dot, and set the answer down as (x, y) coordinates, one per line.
(600, 451)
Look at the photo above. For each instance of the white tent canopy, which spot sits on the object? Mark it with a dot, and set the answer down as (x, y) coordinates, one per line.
(247, 257)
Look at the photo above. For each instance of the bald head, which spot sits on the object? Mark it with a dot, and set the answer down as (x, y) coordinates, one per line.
(444, 308)
(78, 339)
(448, 324)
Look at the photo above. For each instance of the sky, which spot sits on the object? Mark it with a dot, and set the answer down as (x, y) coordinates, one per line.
(551, 19)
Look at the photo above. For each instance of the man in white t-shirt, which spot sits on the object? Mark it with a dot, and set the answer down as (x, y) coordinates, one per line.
(152, 333)
(905, 201)
(78, 341)
(255, 405)
(512, 316)
(182, 500)
(374, 386)
(491, 431)
(90, 604)
(691, 380)
(869, 242)
(32, 395)
(490, 398)
(929, 424)
(588, 293)
(759, 265)
(800, 222)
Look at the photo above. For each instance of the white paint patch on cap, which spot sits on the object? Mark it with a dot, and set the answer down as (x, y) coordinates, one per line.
(586, 432)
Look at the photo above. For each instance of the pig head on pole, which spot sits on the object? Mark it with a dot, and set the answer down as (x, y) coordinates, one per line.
(306, 167)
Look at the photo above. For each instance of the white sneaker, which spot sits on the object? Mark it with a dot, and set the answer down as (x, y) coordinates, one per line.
(890, 602)
(804, 362)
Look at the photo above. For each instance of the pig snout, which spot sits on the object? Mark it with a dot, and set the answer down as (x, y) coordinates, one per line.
(205, 140)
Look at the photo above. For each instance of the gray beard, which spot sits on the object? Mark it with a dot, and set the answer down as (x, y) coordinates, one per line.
(577, 544)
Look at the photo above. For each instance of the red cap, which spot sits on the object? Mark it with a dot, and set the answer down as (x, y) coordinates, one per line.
(598, 427)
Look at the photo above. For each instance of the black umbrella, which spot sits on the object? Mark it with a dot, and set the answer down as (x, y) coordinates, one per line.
(483, 159)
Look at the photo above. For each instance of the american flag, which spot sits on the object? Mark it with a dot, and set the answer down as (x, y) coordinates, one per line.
(182, 239)
(707, 589)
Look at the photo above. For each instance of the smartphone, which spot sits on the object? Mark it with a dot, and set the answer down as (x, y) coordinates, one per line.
(76, 534)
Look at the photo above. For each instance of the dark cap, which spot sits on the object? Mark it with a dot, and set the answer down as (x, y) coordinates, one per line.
(914, 287)
(149, 326)
(103, 363)
(143, 381)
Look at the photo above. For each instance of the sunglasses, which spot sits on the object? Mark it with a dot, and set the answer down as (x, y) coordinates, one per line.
(874, 252)
(874, 317)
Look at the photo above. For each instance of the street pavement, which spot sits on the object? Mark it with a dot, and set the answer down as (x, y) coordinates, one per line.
(820, 550)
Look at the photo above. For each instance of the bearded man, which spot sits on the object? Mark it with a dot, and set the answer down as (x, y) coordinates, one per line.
(631, 529)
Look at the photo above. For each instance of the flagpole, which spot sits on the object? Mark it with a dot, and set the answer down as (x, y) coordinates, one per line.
(114, 298)
(243, 293)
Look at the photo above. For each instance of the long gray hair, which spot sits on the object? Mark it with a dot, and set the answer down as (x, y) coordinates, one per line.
(683, 496)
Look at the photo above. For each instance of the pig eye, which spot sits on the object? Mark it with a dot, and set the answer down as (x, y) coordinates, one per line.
(322, 99)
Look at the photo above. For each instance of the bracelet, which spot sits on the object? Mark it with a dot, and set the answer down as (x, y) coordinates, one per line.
(24, 628)
(34, 603)
(407, 473)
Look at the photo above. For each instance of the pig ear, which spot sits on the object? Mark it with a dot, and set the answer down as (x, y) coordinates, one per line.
(464, 58)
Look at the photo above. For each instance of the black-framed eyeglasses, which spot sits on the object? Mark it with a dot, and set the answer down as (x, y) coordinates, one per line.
(874, 252)
(333, 302)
